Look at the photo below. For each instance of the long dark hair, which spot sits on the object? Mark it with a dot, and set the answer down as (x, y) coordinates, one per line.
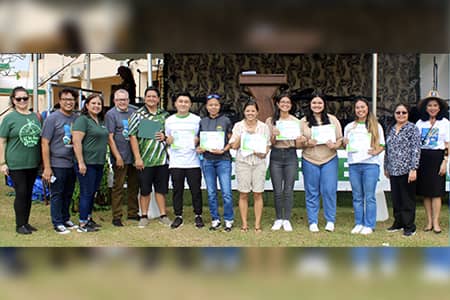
(276, 113)
(84, 110)
(323, 115)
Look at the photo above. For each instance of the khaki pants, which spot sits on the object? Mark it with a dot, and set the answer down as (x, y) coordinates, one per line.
(120, 174)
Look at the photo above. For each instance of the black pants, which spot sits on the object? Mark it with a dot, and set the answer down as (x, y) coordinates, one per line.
(404, 202)
(23, 185)
(194, 179)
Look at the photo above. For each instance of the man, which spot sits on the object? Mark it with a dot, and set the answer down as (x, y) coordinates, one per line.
(116, 121)
(57, 156)
(182, 130)
(150, 156)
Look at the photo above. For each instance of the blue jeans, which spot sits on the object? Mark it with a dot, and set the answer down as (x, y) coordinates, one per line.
(213, 169)
(320, 180)
(61, 192)
(363, 179)
(89, 184)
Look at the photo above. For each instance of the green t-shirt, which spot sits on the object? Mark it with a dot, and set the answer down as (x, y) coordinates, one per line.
(22, 134)
(95, 140)
(153, 152)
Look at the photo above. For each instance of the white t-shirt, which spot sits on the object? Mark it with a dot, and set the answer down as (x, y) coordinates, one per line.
(438, 136)
(183, 158)
(361, 127)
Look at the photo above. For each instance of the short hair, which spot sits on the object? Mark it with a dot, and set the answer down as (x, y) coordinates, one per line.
(182, 94)
(123, 91)
(13, 94)
(152, 88)
(73, 92)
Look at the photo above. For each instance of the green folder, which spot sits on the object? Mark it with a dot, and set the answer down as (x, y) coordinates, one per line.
(148, 128)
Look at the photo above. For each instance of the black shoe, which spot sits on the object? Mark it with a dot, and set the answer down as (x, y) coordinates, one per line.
(199, 222)
(409, 233)
(30, 228)
(394, 228)
(23, 230)
(117, 222)
(93, 224)
(86, 228)
(134, 218)
(177, 222)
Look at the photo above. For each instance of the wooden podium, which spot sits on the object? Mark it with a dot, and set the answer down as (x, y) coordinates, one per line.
(263, 87)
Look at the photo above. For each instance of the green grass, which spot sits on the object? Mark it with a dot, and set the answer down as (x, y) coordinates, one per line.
(158, 235)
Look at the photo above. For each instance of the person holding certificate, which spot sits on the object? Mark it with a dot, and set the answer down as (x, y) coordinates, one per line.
(147, 141)
(364, 139)
(401, 161)
(251, 139)
(434, 130)
(323, 135)
(215, 131)
(285, 139)
(182, 130)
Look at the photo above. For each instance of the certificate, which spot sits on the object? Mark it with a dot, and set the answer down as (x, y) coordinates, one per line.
(148, 128)
(323, 134)
(358, 141)
(183, 139)
(210, 140)
(254, 142)
(289, 130)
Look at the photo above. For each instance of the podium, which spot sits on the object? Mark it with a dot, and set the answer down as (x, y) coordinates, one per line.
(263, 87)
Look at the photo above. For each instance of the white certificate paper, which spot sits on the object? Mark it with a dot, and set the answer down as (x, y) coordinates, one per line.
(359, 145)
(251, 143)
(289, 130)
(323, 134)
(183, 139)
(210, 140)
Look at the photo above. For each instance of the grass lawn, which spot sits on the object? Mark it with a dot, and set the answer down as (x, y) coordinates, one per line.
(157, 234)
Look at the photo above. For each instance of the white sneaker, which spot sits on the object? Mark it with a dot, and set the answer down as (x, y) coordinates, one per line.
(329, 227)
(287, 225)
(143, 222)
(277, 224)
(366, 231)
(313, 227)
(61, 229)
(357, 229)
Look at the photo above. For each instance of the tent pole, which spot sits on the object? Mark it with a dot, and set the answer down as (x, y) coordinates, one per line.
(35, 82)
(374, 83)
(149, 68)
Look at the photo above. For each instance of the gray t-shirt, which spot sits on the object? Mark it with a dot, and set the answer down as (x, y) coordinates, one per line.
(58, 130)
(116, 122)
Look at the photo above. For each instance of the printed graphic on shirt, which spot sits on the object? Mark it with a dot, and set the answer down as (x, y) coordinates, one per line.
(29, 134)
(125, 130)
(430, 137)
(219, 128)
(67, 138)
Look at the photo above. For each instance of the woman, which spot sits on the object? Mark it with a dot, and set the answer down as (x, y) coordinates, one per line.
(90, 138)
(434, 131)
(401, 161)
(20, 154)
(364, 165)
(283, 161)
(320, 163)
(216, 163)
(250, 165)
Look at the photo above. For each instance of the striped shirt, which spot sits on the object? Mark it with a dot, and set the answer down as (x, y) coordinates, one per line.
(153, 152)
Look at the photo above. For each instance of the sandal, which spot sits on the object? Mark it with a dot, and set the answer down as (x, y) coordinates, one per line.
(244, 229)
(258, 230)
(428, 229)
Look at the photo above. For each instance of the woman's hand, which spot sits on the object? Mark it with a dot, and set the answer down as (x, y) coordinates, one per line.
(275, 132)
(311, 143)
(443, 168)
(412, 176)
(260, 155)
(331, 145)
(5, 169)
(200, 150)
(345, 141)
(386, 174)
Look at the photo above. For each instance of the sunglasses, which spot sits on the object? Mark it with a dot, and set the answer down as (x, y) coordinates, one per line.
(401, 112)
(213, 96)
(18, 99)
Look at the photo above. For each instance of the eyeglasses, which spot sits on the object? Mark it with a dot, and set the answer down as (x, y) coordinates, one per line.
(67, 99)
(213, 96)
(121, 99)
(401, 112)
(18, 99)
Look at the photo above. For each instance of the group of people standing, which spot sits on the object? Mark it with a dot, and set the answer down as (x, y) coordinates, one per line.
(147, 146)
